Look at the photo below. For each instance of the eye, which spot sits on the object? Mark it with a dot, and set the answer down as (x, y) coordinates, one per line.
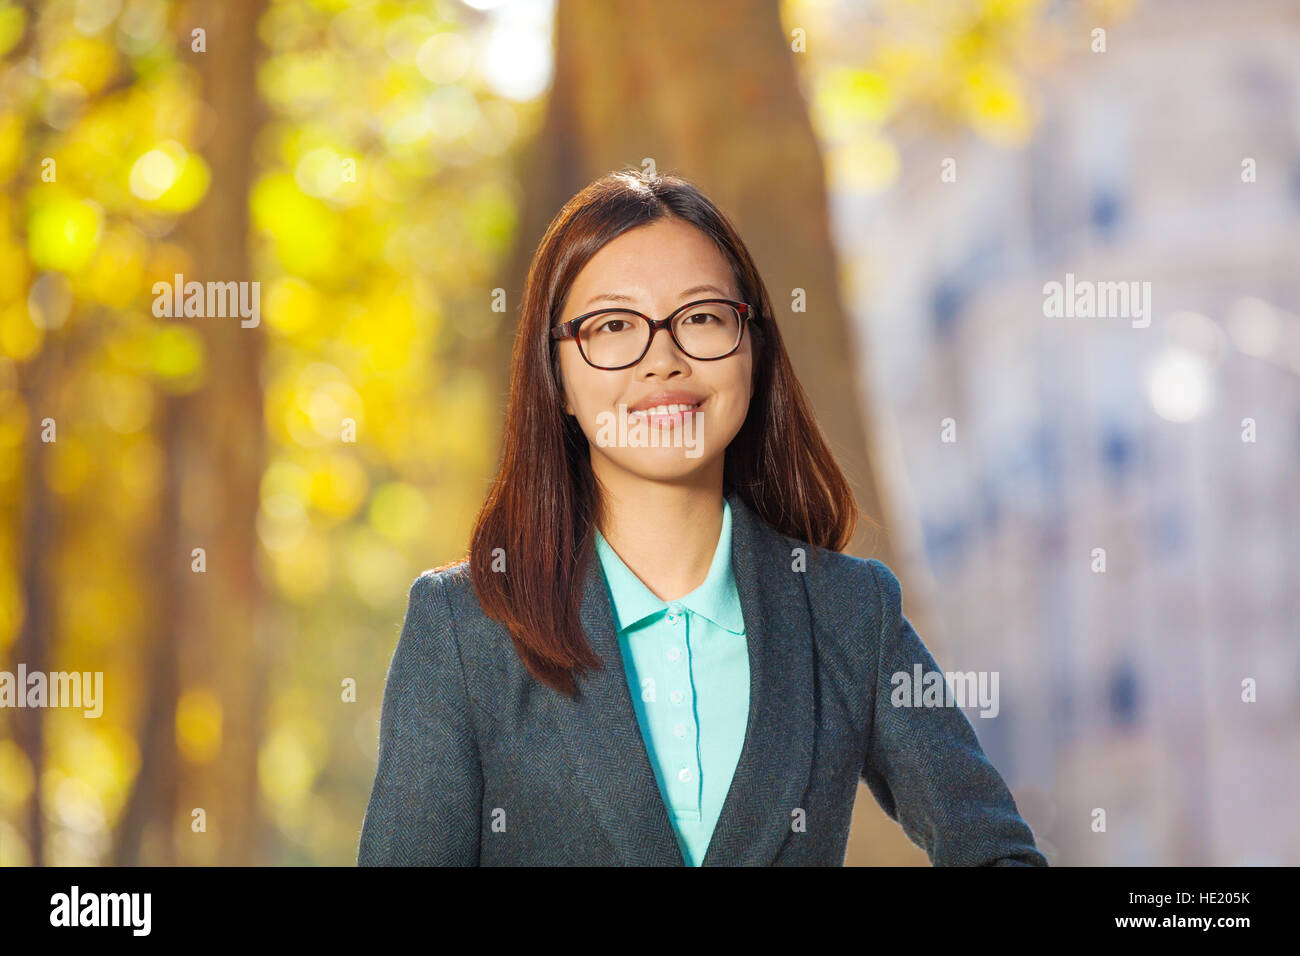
(611, 325)
(704, 316)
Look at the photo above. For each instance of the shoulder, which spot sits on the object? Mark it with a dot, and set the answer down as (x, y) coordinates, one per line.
(444, 574)
(840, 578)
(439, 591)
(446, 597)
(853, 601)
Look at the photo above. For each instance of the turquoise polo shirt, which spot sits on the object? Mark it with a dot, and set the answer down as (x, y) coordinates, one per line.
(687, 665)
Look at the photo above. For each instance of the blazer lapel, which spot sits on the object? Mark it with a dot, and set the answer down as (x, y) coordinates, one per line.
(604, 742)
(772, 775)
(605, 747)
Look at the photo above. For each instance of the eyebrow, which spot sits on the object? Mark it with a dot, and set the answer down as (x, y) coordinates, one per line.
(617, 297)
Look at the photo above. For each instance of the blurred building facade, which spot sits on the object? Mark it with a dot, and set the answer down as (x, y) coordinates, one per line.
(1172, 158)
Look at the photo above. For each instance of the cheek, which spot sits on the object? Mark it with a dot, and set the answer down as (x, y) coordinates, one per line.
(573, 385)
(741, 387)
(588, 392)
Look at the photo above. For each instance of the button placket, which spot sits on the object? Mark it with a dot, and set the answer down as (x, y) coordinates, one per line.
(674, 655)
(683, 751)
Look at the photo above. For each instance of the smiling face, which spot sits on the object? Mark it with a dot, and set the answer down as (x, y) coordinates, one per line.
(659, 267)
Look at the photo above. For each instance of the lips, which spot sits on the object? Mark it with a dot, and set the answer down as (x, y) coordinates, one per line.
(667, 399)
(665, 412)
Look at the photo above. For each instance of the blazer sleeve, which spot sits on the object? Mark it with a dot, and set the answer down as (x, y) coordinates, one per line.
(925, 767)
(425, 806)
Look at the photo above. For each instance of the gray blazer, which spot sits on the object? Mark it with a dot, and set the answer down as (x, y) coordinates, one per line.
(481, 764)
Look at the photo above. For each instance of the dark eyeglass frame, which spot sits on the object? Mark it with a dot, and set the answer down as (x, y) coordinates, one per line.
(569, 330)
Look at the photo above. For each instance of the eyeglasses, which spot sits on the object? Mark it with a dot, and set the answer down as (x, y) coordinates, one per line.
(612, 339)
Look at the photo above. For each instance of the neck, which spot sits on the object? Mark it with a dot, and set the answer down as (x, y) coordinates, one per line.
(666, 533)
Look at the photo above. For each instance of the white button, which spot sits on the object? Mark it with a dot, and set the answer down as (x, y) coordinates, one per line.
(680, 730)
(684, 775)
(674, 653)
(675, 697)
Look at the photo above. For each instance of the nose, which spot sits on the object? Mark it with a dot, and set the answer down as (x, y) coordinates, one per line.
(663, 356)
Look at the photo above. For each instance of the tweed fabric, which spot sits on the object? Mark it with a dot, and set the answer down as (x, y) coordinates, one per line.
(481, 764)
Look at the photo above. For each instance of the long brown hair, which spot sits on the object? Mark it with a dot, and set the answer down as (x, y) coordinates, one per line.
(543, 504)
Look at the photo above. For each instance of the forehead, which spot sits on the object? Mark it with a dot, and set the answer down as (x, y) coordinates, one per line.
(653, 262)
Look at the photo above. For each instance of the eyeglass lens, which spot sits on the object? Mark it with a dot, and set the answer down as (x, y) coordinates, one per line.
(614, 339)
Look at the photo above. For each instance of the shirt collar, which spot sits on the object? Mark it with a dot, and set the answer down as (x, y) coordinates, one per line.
(715, 599)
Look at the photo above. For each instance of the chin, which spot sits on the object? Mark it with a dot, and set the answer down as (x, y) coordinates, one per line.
(664, 464)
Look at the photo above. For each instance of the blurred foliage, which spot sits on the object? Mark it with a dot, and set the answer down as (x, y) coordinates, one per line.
(880, 74)
(382, 206)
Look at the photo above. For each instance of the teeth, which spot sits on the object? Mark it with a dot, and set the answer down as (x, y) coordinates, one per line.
(665, 409)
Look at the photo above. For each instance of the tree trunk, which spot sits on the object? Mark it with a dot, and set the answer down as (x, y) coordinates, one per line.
(206, 635)
(37, 533)
(38, 542)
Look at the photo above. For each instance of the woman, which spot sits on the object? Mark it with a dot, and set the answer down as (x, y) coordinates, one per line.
(655, 653)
